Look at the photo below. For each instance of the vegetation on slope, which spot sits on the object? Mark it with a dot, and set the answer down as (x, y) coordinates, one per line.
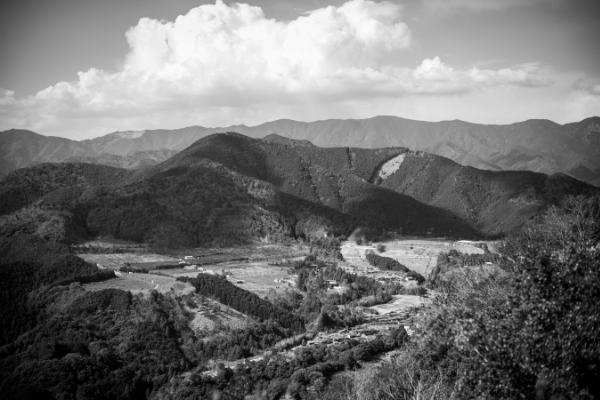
(389, 264)
(494, 202)
(529, 330)
(228, 189)
(245, 302)
(57, 181)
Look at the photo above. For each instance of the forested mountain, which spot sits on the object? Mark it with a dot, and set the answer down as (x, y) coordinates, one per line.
(381, 185)
(535, 145)
(229, 188)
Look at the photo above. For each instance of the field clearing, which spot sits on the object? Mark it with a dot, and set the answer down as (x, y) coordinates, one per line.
(417, 254)
(400, 303)
(117, 260)
(258, 277)
(271, 253)
(209, 314)
(143, 283)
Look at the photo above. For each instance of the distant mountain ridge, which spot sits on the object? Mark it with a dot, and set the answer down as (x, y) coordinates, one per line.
(231, 188)
(535, 145)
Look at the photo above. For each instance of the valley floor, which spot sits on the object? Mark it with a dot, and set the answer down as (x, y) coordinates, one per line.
(419, 255)
(266, 270)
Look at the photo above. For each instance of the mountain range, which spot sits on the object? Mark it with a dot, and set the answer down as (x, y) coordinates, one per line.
(534, 145)
(229, 188)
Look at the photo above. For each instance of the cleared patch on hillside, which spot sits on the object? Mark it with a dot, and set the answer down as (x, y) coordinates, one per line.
(391, 166)
(209, 314)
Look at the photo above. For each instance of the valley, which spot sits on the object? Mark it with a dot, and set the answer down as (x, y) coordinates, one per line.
(268, 271)
(300, 200)
(271, 268)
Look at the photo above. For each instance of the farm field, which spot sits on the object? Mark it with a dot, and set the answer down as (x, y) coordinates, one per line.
(258, 277)
(118, 260)
(417, 254)
(210, 315)
(143, 283)
(400, 303)
(272, 253)
(258, 268)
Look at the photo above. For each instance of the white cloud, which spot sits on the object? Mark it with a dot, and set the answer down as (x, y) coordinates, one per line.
(589, 85)
(220, 61)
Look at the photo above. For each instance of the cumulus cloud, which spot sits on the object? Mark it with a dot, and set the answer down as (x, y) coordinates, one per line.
(225, 57)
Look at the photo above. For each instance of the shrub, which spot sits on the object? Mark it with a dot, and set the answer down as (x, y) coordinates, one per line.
(528, 330)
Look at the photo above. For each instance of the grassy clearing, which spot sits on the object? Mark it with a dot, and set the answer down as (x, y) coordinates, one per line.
(418, 255)
(142, 283)
(118, 260)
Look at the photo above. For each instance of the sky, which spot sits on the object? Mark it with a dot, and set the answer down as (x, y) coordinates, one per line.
(84, 68)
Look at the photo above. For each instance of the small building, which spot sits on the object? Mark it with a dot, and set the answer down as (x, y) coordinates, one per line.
(331, 283)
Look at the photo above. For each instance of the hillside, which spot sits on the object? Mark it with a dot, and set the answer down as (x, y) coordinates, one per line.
(229, 188)
(205, 204)
(365, 182)
(535, 145)
(22, 148)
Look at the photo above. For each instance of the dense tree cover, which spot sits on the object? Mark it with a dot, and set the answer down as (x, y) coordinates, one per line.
(246, 302)
(319, 300)
(389, 264)
(326, 248)
(187, 205)
(111, 344)
(233, 344)
(527, 331)
(60, 182)
(29, 263)
(304, 376)
(90, 345)
(313, 274)
(455, 260)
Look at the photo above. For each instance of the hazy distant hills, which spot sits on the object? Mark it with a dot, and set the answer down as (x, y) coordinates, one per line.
(21, 148)
(229, 188)
(535, 145)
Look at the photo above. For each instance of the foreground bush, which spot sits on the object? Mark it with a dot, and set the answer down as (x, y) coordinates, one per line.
(528, 331)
